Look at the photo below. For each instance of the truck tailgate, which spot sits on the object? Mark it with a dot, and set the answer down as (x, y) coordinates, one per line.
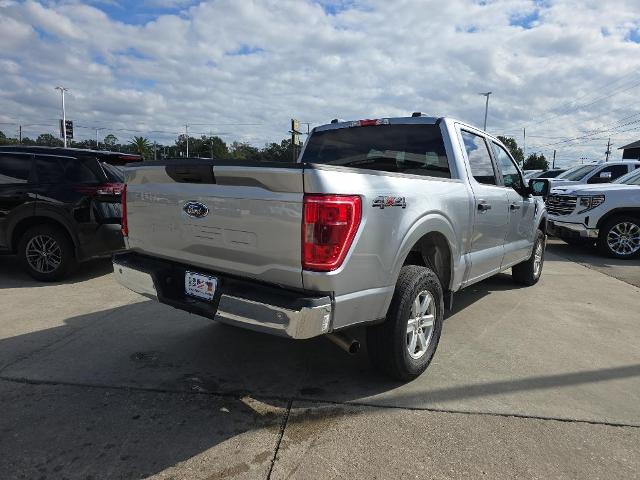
(251, 229)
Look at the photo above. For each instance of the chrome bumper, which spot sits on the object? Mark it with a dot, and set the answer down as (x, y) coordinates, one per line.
(578, 228)
(307, 322)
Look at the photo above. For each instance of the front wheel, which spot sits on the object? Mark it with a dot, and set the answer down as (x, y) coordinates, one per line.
(404, 344)
(620, 237)
(529, 271)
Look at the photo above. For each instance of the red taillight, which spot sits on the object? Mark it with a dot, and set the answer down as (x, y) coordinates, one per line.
(329, 224)
(110, 189)
(370, 122)
(123, 201)
(103, 189)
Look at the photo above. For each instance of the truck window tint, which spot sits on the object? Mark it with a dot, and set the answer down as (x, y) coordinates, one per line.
(406, 148)
(510, 174)
(14, 168)
(612, 172)
(65, 170)
(479, 158)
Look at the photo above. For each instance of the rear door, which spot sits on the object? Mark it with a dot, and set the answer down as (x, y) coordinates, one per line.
(491, 218)
(15, 171)
(520, 232)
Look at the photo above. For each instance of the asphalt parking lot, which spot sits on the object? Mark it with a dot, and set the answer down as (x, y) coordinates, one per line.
(539, 382)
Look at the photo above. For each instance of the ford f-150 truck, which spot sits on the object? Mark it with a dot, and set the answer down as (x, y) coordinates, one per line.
(377, 224)
(606, 214)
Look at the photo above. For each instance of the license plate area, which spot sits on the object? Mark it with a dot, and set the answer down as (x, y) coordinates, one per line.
(200, 286)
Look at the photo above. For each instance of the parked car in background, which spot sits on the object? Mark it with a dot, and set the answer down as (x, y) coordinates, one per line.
(608, 215)
(379, 223)
(531, 173)
(112, 158)
(57, 210)
(602, 172)
(550, 173)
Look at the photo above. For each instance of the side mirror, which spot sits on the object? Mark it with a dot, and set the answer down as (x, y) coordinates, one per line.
(539, 187)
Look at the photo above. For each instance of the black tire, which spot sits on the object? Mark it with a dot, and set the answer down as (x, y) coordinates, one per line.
(526, 273)
(387, 342)
(57, 241)
(606, 231)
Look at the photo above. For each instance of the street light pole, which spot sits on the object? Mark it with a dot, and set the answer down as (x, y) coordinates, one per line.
(486, 108)
(186, 129)
(64, 116)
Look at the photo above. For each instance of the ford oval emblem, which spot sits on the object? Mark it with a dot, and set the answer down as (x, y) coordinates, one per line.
(196, 209)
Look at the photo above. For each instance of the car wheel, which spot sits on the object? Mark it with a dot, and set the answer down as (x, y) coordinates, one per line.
(404, 344)
(46, 253)
(620, 237)
(529, 271)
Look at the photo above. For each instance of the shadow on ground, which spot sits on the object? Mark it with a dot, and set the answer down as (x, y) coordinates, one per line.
(13, 276)
(141, 389)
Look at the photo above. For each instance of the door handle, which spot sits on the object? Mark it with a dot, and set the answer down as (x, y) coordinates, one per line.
(514, 206)
(483, 206)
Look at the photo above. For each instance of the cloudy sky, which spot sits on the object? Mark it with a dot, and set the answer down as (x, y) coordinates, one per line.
(567, 70)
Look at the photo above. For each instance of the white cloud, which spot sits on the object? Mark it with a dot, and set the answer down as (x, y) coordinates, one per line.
(262, 62)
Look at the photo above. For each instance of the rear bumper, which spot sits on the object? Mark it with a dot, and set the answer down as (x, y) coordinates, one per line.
(570, 230)
(101, 242)
(243, 303)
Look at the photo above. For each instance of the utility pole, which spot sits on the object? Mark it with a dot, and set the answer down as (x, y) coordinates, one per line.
(154, 151)
(524, 145)
(98, 141)
(20, 134)
(608, 152)
(186, 129)
(553, 165)
(64, 116)
(486, 108)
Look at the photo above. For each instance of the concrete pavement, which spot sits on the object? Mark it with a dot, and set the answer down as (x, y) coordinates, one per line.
(546, 380)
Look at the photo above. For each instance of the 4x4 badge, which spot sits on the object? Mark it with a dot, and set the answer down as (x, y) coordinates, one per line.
(384, 201)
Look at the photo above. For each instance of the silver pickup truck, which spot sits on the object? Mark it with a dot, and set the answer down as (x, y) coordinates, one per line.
(377, 224)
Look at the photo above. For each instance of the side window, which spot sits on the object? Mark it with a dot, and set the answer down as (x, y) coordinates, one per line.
(49, 169)
(479, 158)
(611, 172)
(52, 169)
(509, 171)
(14, 168)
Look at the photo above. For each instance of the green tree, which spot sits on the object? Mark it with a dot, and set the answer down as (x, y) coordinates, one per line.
(244, 151)
(110, 141)
(140, 145)
(513, 147)
(48, 140)
(277, 152)
(536, 162)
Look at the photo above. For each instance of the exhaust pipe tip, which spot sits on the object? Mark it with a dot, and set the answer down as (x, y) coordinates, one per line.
(348, 344)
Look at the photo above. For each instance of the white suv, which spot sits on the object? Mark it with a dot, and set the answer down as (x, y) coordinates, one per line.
(602, 172)
(607, 214)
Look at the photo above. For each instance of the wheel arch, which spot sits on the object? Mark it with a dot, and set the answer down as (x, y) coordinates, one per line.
(630, 211)
(431, 243)
(37, 220)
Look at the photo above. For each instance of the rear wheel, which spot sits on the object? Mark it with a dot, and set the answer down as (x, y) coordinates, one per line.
(46, 253)
(529, 271)
(620, 237)
(404, 344)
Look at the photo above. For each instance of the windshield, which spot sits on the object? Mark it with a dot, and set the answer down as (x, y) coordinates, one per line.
(577, 173)
(632, 178)
(406, 148)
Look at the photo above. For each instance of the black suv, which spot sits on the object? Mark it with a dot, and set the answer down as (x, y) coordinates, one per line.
(58, 208)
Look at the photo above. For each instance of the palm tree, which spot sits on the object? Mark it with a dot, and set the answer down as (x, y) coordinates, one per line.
(140, 145)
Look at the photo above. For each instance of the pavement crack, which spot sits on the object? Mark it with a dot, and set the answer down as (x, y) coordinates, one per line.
(291, 400)
(283, 427)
